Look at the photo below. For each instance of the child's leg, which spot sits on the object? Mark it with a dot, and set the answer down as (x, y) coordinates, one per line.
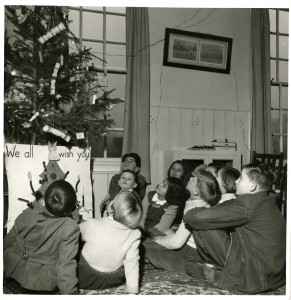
(212, 245)
(167, 259)
(92, 279)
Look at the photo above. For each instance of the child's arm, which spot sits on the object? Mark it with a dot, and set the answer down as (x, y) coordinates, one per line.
(104, 202)
(67, 265)
(176, 240)
(227, 214)
(131, 266)
(145, 206)
(168, 218)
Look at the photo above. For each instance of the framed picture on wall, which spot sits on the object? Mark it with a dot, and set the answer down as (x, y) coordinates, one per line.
(193, 50)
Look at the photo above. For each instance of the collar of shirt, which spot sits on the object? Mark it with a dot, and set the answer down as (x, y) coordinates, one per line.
(226, 197)
(157, 200)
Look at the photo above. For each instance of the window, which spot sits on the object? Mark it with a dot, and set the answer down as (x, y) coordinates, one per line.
(279, 39)
(103, 30)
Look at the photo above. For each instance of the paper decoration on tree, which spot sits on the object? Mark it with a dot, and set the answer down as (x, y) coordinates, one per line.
(52, 33)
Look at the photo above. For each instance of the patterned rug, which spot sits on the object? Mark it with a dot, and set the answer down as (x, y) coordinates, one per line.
(160, 282)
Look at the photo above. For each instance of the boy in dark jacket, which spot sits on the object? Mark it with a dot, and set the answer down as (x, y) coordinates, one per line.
(40, 250)
(253, 257)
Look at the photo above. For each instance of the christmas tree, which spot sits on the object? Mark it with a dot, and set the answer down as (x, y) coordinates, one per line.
(50, 93)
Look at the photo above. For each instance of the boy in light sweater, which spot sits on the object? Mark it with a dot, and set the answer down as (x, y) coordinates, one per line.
(110, 256)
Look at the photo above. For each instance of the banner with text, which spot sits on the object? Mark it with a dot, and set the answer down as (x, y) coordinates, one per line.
(21, 160)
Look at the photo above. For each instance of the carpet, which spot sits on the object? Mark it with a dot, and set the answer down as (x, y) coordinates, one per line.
(160, 282)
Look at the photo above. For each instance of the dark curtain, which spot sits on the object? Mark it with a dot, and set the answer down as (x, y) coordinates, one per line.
(137, 93)
(261, 93)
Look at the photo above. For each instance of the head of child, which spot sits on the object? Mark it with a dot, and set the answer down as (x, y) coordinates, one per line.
(60, 198)
(126, 209)
(254, 178)
(226, 179)
(128, 180)
(176, 169)
(203, 185)
(172, 190)
(131, 161)
(213, 169)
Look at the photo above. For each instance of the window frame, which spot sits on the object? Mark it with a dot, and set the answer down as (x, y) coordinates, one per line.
(276, 82)
(104, 41)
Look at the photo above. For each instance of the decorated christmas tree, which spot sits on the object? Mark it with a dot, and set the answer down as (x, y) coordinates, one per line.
(51, 94)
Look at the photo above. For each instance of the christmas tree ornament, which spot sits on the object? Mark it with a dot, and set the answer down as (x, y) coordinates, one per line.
(51, 33)
(56, 132)
(34, 116)
(20, 16)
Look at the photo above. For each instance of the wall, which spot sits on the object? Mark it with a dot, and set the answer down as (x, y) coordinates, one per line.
(191, 107)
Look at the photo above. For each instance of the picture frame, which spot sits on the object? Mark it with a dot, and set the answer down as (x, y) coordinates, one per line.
(193, 50)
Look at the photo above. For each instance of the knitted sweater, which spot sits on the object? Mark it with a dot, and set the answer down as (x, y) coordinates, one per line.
(109, 245)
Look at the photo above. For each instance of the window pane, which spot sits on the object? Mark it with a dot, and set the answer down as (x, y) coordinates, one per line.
(74, 25)
(273, 45)
(275, 144)
(113, 22)
(272, 14)
(273, 70)
(283, 22)
(116, 9)
(283, 71)
(116, 56)
(114, 144)
(283, 46)
(92, 25)
(97, 50)
(275, 121)
(93, 7)
(117, 82)
(285, 148)
(274, 96)
(284, 97)
(285, 122)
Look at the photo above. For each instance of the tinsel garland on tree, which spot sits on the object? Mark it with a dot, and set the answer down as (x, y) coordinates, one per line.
(51, 94)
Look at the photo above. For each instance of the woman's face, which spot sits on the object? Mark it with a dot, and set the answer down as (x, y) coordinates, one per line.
(176, 170)
(162, 188)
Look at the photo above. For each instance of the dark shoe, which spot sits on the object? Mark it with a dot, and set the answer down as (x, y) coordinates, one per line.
(205, 271)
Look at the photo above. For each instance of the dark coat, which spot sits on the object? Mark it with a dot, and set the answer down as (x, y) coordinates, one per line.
(256, 260)
(40, 251)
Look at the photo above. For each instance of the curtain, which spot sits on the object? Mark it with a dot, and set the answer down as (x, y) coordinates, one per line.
(261, 93)
(137, 93)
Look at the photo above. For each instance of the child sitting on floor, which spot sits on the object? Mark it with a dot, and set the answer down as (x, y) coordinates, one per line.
(132, 162)
(226, 179)
(40, 249)
(173, 251)
(127, 182)
(110, 256)
(253, 257)
(161, 206)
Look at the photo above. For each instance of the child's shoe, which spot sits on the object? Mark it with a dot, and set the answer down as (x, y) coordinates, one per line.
(205, 271)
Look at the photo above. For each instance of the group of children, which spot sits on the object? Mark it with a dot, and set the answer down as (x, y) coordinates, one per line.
(218, 219)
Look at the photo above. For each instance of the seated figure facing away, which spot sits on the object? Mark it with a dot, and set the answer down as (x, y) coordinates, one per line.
(253, 257)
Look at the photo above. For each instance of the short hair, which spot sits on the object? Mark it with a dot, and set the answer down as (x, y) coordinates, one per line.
(208, 187)
(126, 209)
(228, 176)
(261, 174)
(60, 198)
(135, 176)
(177, 162)
(215, 167)
(135, 156)
(176, 193)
